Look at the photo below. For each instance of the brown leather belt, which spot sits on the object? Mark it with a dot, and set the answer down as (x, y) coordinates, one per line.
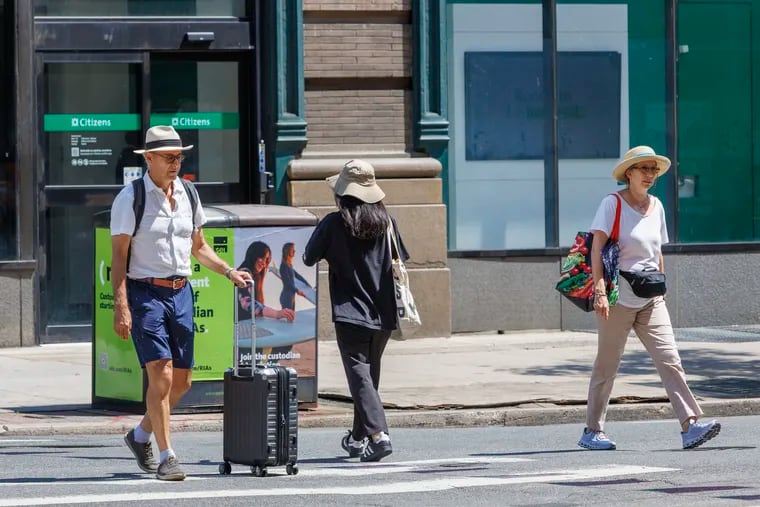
(169, 283)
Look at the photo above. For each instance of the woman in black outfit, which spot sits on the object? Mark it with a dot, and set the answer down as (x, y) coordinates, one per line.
(353, 241)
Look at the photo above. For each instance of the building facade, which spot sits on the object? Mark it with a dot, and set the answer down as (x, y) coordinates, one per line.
(627, 73)
(493, 125)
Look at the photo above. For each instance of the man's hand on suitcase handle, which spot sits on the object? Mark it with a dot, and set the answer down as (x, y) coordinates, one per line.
(240, 278)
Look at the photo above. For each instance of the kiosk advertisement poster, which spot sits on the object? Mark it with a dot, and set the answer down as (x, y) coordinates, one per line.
(283, 298)
(118, 374)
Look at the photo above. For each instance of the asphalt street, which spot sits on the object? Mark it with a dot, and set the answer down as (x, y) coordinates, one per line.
(533, 465)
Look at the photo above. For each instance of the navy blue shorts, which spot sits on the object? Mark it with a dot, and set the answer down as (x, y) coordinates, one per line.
(162, 323)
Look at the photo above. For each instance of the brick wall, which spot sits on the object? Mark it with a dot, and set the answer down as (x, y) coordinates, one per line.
(358, 117)
(357, 5)
(357, 69)
(357, 50)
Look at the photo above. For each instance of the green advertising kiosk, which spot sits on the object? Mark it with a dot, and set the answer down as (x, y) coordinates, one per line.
(269, 238)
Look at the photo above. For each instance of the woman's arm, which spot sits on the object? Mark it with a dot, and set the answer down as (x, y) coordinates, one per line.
(317, 244)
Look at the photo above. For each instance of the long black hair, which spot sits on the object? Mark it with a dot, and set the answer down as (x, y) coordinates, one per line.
(362, 219)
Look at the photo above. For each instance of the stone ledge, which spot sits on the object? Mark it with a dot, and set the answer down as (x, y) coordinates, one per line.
(397, 191)
(385, 167)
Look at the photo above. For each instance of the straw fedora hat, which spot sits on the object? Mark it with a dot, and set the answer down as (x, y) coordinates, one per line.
(357, 179)
(636, 155)
(162, 138)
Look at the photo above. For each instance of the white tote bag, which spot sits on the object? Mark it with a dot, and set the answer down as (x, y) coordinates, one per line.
(406, 311)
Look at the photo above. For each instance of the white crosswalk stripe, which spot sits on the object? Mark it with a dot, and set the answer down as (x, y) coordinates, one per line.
(385, 488)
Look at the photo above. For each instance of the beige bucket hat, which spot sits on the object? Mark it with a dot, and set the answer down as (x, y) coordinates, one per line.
(162, 138)
(636, 155)
(357, 179)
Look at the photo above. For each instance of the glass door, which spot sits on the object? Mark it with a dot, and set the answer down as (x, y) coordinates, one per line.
(202, 100)
(94, 111)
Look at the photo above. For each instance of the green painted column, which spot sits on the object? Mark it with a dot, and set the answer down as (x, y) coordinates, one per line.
(282, 88)
(431, 124)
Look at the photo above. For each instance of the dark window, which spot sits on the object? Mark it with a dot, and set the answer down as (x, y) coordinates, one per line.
(120, 8)
(504, 105)
(8, 234)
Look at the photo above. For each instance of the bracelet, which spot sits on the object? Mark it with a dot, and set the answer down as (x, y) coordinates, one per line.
(600, 294)
(228, 271)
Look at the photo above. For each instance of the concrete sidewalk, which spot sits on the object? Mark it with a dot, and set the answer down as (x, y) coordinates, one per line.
(521, 378)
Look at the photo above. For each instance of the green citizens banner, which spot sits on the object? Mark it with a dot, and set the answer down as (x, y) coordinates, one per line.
(90, 122)
(197, 121)
(118, 374)
(122, 122)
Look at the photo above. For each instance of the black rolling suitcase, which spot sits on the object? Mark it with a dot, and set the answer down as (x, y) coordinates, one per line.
(260, 413)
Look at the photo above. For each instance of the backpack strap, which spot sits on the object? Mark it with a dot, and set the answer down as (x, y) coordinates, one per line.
(192, 194)
(138, 205)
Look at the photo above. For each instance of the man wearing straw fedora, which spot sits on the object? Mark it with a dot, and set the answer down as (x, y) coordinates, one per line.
(152, 299)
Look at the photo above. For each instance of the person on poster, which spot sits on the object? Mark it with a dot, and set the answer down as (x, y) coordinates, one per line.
(247, 301)
(641, 235)
(152, 297)
(289, 275)
(258, 256)
(354, 243)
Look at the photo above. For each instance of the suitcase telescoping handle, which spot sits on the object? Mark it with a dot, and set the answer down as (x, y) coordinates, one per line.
(236, 341)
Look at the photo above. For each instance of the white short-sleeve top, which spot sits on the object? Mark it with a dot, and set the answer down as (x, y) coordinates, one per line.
(641, 240)
(161, 248)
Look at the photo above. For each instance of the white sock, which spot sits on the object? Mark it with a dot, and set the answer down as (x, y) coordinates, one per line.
(165, 455)
(141, 436)
(380, 436)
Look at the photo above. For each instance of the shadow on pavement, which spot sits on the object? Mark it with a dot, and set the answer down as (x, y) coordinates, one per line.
(724, 374)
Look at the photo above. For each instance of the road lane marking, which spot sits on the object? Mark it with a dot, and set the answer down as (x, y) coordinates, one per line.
(106, 481)
(424, 486)
(339, 469)
(23, 441)
(397, 467)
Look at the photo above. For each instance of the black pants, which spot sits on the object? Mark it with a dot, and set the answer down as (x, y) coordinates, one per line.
(361, 349)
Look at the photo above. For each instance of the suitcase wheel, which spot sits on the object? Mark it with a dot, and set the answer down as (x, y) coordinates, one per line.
(259, 471)
(225, 468)
(292, 469)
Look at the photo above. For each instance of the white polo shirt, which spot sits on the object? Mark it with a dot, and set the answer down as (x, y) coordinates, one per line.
(161, 248)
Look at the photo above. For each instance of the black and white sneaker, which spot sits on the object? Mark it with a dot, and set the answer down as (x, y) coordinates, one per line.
(353, 447)
(375, 451)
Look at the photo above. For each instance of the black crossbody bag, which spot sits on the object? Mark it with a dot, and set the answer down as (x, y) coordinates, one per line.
(646, 284)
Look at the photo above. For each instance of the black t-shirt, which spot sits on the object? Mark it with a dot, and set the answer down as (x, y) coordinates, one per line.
(361, 283)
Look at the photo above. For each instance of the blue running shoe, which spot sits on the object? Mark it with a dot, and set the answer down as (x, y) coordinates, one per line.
(699, 433)
(596, 441)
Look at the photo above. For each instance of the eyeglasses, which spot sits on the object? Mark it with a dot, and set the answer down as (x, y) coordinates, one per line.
(652, 171)
(171, 159)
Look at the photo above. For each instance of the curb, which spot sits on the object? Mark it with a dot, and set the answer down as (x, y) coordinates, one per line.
(458, 418)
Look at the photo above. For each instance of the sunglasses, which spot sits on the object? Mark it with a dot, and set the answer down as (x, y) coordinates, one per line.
(652, 171)
(171, 159)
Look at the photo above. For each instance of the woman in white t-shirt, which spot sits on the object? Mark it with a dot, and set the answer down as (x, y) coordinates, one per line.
(642, 234)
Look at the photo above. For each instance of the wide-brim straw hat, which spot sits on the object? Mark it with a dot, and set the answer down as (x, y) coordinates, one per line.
(357, 179)
(162, 138)
(637, 155)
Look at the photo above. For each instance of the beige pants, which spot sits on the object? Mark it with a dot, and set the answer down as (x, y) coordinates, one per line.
(652, 325)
